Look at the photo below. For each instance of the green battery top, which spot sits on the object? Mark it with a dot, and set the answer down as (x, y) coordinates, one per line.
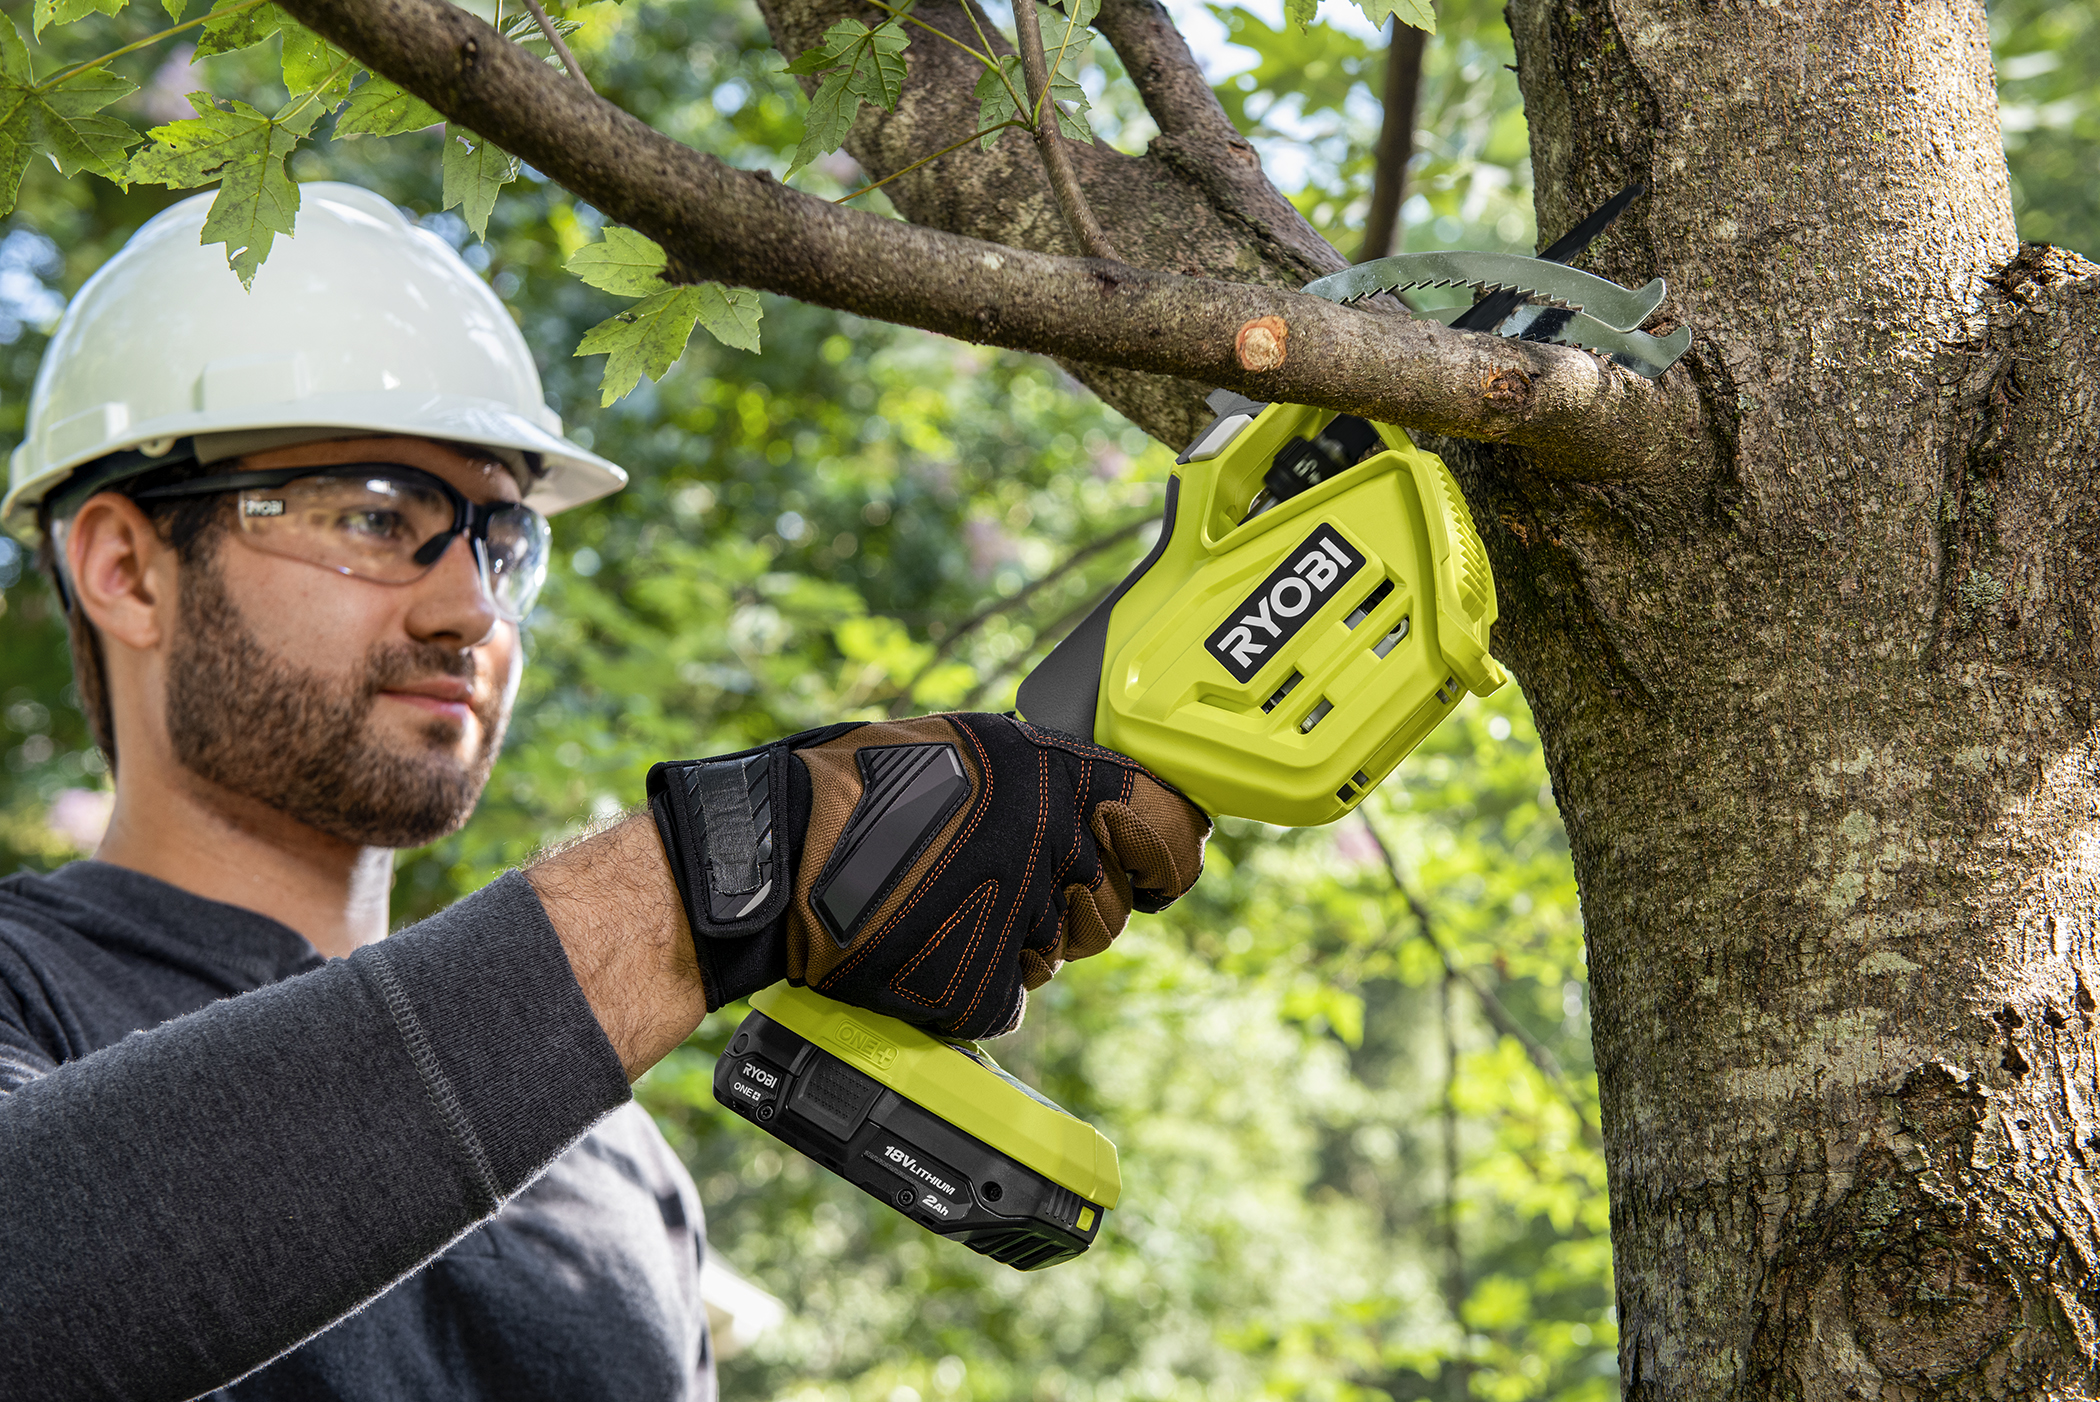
(958, 1082)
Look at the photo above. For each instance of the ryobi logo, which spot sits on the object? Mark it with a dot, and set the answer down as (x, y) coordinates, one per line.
(864, 1044)
(1272, 615)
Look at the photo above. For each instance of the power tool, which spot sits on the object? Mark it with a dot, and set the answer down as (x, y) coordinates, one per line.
(1318, 600)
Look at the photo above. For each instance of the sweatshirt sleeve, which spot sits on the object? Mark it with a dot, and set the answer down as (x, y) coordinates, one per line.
(178, 1209)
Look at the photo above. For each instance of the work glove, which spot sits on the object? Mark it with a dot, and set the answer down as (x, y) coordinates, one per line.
(932, 869)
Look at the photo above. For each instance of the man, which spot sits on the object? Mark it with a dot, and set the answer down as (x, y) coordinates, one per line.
(247, 1142)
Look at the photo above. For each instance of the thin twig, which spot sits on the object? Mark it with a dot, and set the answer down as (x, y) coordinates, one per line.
(66, 75)
(1504, 1022)
(1396, 142)
(911, 18)
(969, 8)
(1050, 145)
(1056, 65)
(561, 50)
(991, 611)
(1009, 122)
(1454, 1259)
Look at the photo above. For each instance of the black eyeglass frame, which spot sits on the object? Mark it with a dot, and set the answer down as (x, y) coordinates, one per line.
(470, 518)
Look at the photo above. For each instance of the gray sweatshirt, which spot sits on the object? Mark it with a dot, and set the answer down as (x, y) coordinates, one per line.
(415, 1172)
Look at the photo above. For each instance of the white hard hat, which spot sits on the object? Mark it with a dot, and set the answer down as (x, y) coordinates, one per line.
(361, 322)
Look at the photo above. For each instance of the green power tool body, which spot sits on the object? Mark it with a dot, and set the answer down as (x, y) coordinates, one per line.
(1303, 621)
(1317, 602)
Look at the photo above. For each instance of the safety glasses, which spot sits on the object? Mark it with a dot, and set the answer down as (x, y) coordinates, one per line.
(383, 522)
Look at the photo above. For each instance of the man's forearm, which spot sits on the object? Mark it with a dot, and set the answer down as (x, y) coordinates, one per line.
(611, 898)
(323, 1135)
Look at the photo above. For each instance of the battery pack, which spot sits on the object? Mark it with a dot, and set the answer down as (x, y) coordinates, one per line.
(933, 1128)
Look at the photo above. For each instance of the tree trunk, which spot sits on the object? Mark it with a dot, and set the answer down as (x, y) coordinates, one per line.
(1808, 626)
(1818, 711)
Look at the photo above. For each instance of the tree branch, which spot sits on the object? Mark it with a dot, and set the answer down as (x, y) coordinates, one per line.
(991, 611)
(1200, 141)
(1049, 142)
(1500, 1017)
(1396, 141)
(719, 223)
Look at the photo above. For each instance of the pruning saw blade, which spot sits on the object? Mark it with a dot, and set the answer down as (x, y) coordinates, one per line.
(1531, 299)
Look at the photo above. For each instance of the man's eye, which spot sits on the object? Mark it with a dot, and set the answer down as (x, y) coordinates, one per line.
(372, 525)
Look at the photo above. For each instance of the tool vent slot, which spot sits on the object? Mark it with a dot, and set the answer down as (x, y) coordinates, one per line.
(1020, 1248)
(1315, 716)
(834, 1097)
(1450, 691)
(1371, 601)
(1475, 583)
(1282, 691)
(1391, 640)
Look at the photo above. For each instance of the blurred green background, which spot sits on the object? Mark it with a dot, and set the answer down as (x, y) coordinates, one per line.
(1339, 1181)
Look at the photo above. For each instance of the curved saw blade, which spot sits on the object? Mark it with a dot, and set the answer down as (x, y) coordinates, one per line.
(1636, 350)
(1552, 284)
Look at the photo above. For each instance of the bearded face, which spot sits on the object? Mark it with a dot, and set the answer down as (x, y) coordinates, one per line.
(307, 743)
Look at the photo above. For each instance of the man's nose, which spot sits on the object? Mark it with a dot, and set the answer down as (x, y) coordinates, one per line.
(452, 603)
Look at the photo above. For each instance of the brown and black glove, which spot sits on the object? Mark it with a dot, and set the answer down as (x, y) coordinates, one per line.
(931, 869)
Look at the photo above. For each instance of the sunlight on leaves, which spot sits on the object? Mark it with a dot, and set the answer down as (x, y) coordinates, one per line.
(313, 65)
(233, 32)
(624, 263)
(60, 122)
(381, 108)
(648, 338)
(1415, 13)
(244, 151)
(66, 11)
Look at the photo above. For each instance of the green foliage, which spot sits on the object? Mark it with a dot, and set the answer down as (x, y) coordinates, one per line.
(999, 98)
(66, 11)
(2049, 109)
(61, 122)
(245, 152)
(849, 526)
(475, 172)
(624, 263)
(381, 108)
(648, 338)
(230, 28)
(1416, 14)
(1310, 105)
(858, 65)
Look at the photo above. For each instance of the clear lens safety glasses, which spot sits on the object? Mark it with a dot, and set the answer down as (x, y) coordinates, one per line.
(384, 522)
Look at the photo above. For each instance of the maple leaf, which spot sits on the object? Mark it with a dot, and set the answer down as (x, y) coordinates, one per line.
(381, 108)
(475, 170)
(244, 151)
(60, 121)
(649, 336)
(625, 263)
(859, 65)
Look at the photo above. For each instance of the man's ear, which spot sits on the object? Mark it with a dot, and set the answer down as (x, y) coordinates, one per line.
(121, 570)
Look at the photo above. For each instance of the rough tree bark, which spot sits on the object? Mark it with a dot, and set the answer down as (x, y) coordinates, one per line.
(1808, 627)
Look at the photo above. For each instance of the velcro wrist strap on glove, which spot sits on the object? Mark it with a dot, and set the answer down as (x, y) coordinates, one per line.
(732, 827)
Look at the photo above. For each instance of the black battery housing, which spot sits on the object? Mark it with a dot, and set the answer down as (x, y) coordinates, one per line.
(899, 1152)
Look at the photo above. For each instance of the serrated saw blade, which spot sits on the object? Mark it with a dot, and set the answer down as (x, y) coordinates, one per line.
(1550, 284)
(1645, 355)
